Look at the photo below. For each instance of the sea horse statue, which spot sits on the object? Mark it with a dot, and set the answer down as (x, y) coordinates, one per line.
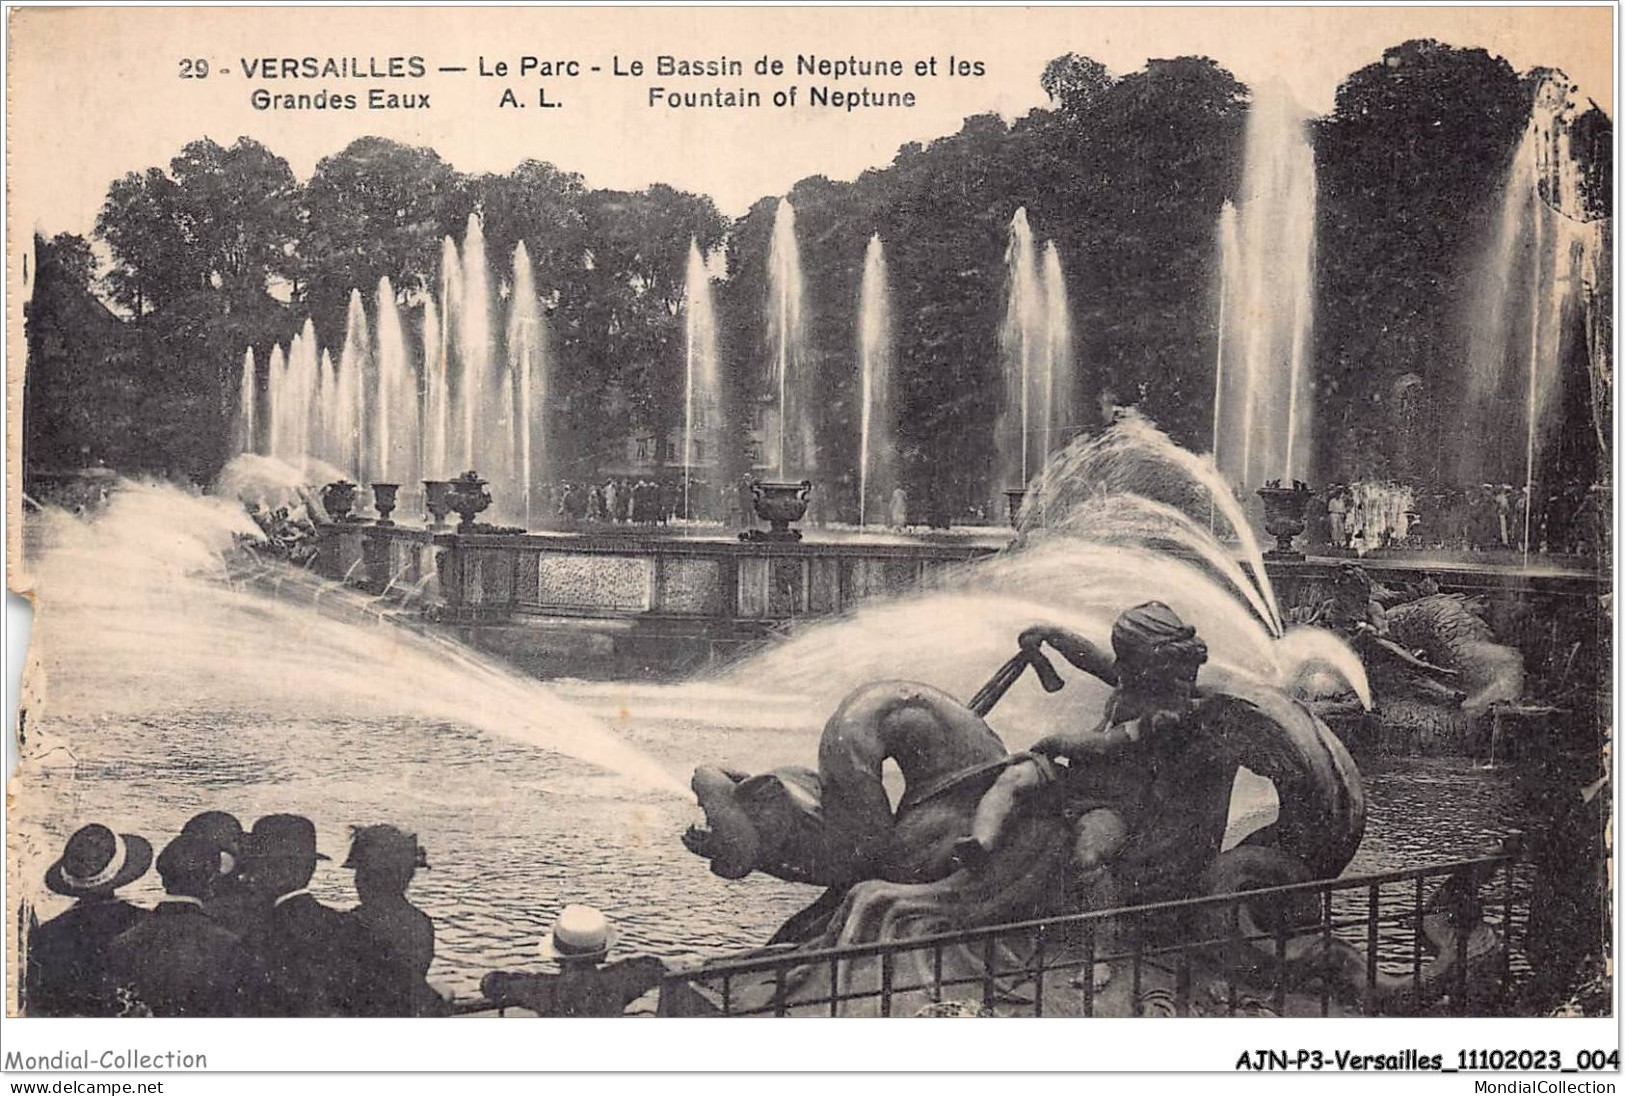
(1433, 661)
(1132, 810)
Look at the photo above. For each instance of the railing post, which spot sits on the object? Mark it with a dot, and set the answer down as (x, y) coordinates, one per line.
(1462, 932)
(1239, 945)
(781, 1003)
(1182, 989)
(988, 988)
(1089, 968)
(1139, 954)
(1416, 946)
(1325, 951)
(1506, 927)
(1468, 915)
(834, 987)
(1371, 949)
(1280, 966)
(1038, 977)
(885, 982)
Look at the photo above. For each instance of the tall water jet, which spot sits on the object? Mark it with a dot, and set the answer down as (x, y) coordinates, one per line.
(243, 436)
(355, 361)
(394, 458)
(474, 353)
(276, 425)
(876, 474)
(396, 408)
(527, 369)
(1229, 263)
(1024, 344)
(330, 438)
(303, 371)
(1058, 397)
(701, 394)
(444, 379)
(1532, 312)
(786, 335)
(432, 440)
(1263, 371)
(290, 401)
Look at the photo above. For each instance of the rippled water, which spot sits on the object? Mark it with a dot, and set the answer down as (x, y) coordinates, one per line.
(514, 832)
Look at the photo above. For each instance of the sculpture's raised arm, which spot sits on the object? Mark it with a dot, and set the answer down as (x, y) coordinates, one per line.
(1074, 648)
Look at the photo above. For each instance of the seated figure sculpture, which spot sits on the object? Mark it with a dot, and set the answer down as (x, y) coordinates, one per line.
(1154, 764)
(980, 835)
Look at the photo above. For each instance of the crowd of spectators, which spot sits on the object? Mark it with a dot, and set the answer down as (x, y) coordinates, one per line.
(1365, 516)
(238, 933)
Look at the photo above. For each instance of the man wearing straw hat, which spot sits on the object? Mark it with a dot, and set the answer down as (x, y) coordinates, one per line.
(67, 960)
(579, 942)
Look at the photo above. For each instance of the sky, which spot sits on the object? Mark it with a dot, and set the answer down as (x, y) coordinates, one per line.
(95, 93)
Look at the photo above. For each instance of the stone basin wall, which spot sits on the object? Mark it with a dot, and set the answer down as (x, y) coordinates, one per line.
(487, 578)
(668, 603)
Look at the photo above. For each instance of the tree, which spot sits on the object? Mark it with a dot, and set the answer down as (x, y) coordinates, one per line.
(541, 205)
(141, 224)
(68, 258)
(1409, 165)
(238, 208)
(76, 409)
(628, 331)
(1074, 83)
(378, 208)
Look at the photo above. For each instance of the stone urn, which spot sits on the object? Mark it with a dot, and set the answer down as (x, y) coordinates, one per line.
(383, 500)
(1014, 497)
(778, 504)
(338, 499)
(1283, 516)
(469, 497)
(437, 500)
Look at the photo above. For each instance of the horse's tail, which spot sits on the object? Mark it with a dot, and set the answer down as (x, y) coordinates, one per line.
(1322, 800)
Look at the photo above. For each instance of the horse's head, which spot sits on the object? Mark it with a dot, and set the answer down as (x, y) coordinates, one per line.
(771, 822)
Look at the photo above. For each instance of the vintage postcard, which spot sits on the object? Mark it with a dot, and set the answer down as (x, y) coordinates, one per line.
(815, 512)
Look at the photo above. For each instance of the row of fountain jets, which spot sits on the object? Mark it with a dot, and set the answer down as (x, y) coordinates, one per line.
(472, 393)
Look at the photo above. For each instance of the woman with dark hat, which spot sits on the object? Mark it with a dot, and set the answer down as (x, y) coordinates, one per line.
(67, 959)
(384, 860)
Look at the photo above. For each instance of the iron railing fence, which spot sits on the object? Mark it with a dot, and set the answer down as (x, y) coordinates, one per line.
(1376, 917)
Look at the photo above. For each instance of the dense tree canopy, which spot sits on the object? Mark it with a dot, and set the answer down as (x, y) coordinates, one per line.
(1410, 164)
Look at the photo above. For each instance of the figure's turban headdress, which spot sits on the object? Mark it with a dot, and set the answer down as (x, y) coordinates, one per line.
(1153, 631)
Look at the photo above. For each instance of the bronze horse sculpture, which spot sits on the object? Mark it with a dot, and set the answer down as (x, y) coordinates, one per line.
(981, 836)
